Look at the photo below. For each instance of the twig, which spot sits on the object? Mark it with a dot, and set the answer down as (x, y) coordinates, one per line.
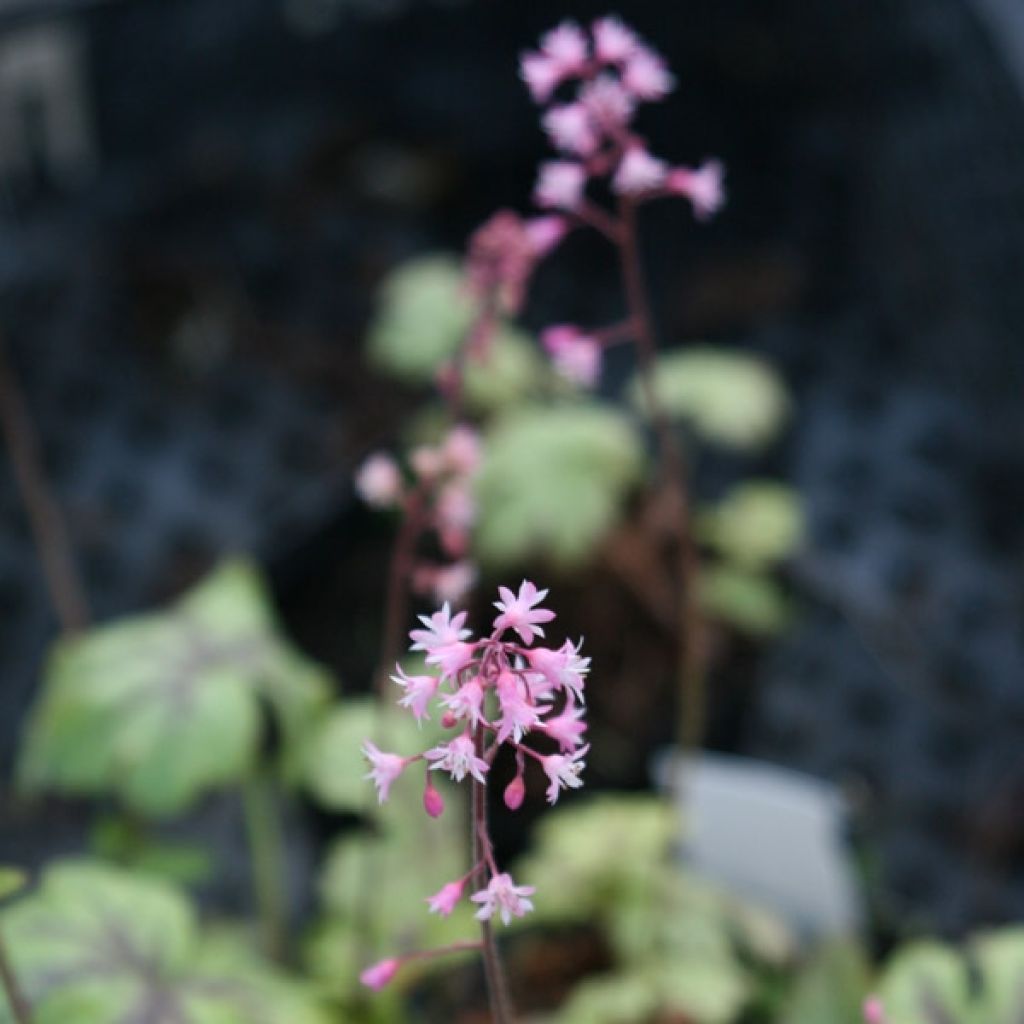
(41, 507)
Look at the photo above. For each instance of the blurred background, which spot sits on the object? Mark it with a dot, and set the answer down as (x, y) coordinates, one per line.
(199, 200)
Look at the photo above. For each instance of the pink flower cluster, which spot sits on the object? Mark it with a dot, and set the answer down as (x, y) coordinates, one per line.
(438, 497)
(495, 690)
(613, 71)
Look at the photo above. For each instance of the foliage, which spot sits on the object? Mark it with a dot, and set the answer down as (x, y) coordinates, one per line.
(731, 398)
(831, 987)
(927, 981)
(681, 946)
(161, 707)
(95, 944)
(553, 481)
(423, 312)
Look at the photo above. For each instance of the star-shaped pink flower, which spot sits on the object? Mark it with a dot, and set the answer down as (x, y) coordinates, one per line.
(519, 611)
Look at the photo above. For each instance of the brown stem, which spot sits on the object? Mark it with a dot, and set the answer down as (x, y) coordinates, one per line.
(44, 514)
(16, 1000)
(673, 471)
(494, 973)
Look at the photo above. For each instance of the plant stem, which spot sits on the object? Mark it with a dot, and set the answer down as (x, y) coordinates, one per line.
(16, 1000)
(673, 470)
(41, 507)
(267, 859)
(494, 972)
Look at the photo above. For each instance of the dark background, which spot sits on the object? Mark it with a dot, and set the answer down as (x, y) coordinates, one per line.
(183, 295)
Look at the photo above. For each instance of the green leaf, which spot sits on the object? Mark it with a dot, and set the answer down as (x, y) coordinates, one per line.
(12, 880)
(923, 980)
(999, 956)
(423, 314)
(553, 481)
(96, 944)
(511, 372)
(831, 988)
(161, 707)
(750, 601)
(732, 398)
(758, 524)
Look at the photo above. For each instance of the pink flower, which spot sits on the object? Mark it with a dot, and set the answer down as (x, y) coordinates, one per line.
(503, 896)
(453, 582)
(467, 702)
(459, 758)
(608, 103)
(563, 771)
(451, 659)
(575, 356)
(703, 187)
(441, 630)
(500, 260)
(461, 450)
(456, 507)
(433, 802)
(560, 185)
(379, 974)
(541, 74)
(646, 75)
(638, 172)
(613, 41)
(518, 715)
(566, 45)
(379, 482)
(571, 129)
(384, 769)
(566, 729)
(443, 902)
(545, 233)
(519, 612)
(419, 690)
(426, 462)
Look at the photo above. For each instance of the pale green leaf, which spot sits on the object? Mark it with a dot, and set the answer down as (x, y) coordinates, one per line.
(999, 956)
(924, 980)
(158, 708)
(96, 944)
(750, 601)
(553, 482)
(729, 397)
(831, 987)
(757, 524)
(423, 313)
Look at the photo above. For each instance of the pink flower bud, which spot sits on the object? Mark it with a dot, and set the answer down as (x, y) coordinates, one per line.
(515, 791)
(449, 720)
(379, 482)
(873, 1011)
(377, 975)
(433, 802)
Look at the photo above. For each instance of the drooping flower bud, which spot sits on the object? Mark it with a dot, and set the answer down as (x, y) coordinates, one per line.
(515, 792)
(433, 802)
(377, 975)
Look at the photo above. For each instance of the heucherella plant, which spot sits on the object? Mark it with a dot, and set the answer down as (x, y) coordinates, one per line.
(498, 690)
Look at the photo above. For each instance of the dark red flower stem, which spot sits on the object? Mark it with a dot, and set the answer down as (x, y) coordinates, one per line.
(673, 472)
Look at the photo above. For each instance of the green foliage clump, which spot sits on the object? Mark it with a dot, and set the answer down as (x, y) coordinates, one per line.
(553, 481)
(96, 944)
(161, 707)
(681, 946)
